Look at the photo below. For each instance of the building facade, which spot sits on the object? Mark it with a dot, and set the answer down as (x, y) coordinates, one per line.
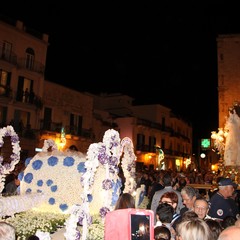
(39, 109)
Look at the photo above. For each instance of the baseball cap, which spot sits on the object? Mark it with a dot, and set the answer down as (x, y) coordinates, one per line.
(227, 182)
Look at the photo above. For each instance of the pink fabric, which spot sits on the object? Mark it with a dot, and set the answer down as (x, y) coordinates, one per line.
(117, 224)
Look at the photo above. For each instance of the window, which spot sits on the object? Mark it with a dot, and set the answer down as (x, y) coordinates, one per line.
(7, 50)
(75, 124)
(4, 82)
(25, 90)
(140, 141)
(30, 58)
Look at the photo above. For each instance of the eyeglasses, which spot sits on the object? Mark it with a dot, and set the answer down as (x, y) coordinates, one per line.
(200, 208)
(165, 202)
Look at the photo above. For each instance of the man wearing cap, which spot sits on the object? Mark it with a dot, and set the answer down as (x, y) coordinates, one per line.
(221, 203)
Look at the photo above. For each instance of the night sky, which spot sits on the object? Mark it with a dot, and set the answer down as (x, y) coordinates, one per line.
(155, 51)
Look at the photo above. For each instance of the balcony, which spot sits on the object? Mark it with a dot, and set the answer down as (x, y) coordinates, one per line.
(34, 67)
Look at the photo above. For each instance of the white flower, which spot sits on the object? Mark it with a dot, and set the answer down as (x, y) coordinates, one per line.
(15, 157)
(43, 235)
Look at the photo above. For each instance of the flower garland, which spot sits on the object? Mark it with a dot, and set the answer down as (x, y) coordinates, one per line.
(15, 156)
(128, 165)
(107, 155)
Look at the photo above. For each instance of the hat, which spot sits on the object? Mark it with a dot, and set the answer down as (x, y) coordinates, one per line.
(227, 182)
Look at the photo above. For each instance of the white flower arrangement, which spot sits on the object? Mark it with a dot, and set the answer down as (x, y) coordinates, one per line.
(32, 222)
(19, 203)
(128, 165)
(105, 155)
(15, 156)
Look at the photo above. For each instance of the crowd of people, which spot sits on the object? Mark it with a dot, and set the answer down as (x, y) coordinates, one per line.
(182, 212)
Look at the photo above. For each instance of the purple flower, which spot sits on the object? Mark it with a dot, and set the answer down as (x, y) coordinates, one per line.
(103, 211)
(107, 184)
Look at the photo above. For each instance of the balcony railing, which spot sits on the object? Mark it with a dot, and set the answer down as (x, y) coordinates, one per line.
(35, 66)
(8, 57)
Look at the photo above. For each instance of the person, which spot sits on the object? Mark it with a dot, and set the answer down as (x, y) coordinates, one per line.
(228, 221)
(156, 186)
(193, 229)
(164, 216)
(221, 203)
(201, 207)
(172, 199)
(7, 231)
(126, 200)
(189, 195)
(215, 228)
(167, 182)
(230, 233)
(162, 233)
(12, 187)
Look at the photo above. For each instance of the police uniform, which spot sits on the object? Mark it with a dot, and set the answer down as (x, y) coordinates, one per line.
(221, 207)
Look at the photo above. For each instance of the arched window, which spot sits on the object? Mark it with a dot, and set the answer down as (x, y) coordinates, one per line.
(30, 58)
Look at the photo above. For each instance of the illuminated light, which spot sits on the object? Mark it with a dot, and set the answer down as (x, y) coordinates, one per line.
(203, 155)
(38, 149)
(177, 162)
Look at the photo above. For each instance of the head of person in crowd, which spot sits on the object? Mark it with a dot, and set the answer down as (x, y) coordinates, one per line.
(215, 228)
(189, 195)
(228, 221)
(162, 233)
(230, 233)
(170, 198)
(193, 229)
(167, 179)
(189, 215)
(7, 231)
(164, 213)
(226, 187)
(126, 200)
(201, 207)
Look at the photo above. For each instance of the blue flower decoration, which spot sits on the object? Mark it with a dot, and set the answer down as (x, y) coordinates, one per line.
(51, 201)
(63, 207)
(54, 188)
(28, 178)
(40, 183)
(141, 197)
(27, 161)
(68, 161)
(89, 197)
(81, 167)
(29, 190)
(49, 182)
(39, 191)
(37, 164)
(116, 187)
(52, 161)
(20, 176)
